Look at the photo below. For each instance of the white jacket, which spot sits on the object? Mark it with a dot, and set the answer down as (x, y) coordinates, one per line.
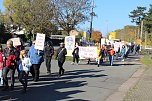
(25, 64)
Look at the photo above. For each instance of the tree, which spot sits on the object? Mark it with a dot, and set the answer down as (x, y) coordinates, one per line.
(128, 33)
(70, 13)
(137, 15)
(148, 20)
(96, 36)
(34, 15)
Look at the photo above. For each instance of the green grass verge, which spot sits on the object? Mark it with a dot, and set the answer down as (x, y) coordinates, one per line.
(146, 59)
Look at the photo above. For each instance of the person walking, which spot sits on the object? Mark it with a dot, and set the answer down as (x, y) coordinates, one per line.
(1, 65)
(111, 55)
(123, 52)
(36, 57)
(10, 64)
(137, 48)
(61, 52)
(99, 52)
(48, 51)
(24, 68)
(117, 53)
(103, 53)
(75, 54)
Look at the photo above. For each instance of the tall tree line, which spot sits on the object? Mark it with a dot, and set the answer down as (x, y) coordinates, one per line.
(45, 16)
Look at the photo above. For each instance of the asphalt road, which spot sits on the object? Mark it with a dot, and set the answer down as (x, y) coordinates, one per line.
(80, 83)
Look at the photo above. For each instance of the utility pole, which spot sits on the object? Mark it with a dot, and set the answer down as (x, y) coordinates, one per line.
(141, 32)
(145, 40)
(91, 20)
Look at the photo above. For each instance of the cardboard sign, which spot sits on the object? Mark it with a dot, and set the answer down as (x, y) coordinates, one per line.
(88, 52)
(69, 44)
(40, 39)
(16, 41)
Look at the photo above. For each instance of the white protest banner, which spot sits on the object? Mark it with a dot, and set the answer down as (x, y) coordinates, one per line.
(16, 41)
(88, 52)
(103, 41)
(40, 39)
(69, 44)
(116, 46)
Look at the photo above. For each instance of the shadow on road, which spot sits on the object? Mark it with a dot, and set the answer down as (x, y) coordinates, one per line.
(52, 88)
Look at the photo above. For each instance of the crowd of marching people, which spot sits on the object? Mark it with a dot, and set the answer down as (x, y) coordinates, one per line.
(14, 58)
(108, 52)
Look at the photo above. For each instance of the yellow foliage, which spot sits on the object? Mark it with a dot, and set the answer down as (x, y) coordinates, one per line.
(96, 36)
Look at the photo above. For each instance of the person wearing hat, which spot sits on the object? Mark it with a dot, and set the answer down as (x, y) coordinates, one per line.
(10, 64)
(36, 57)
(48, 52)
(61, 52)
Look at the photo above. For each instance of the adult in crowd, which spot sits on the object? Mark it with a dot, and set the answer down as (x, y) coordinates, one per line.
(99, 53)
(103, 53)
(1, 65)
(61, 52)
(48, 51)
(117, 53)
(123, 52)
(75, 54)
(36, 57)
(111, 55)
(18, 49)
(10, 55)
(108, 47)
(137, 48)
(132, 47)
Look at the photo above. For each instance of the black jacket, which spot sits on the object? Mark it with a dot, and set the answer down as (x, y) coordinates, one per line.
(75, 51)
(61, 52)
(49, 51)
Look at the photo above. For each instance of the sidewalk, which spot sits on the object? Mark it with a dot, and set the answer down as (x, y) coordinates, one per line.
(142, 91)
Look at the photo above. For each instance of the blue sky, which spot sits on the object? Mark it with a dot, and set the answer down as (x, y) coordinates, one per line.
(112, 14)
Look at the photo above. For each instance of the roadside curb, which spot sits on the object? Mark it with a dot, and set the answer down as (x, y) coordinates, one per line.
(125, 87)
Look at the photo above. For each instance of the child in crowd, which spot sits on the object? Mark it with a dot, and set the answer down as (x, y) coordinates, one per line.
(24, 68)
(1, 66)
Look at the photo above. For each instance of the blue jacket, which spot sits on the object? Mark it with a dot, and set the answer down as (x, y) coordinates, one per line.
(36, 56)
(123, 51)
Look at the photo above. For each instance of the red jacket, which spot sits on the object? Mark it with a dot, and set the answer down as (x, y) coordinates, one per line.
(112, 51)
(1, 61)
(10, 62)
